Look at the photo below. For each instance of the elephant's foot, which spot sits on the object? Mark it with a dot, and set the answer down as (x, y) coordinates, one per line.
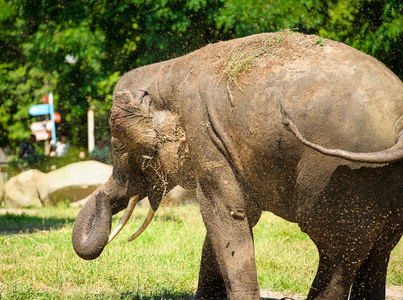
(209, 292)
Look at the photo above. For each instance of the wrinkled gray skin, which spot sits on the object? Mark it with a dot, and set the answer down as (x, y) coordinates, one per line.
(184, 122)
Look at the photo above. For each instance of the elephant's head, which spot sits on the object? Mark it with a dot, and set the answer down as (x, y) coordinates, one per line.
(150, 157)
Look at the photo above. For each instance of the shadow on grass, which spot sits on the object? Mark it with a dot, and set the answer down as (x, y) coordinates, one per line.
(164, 295)
(13, 224)
(176, 296)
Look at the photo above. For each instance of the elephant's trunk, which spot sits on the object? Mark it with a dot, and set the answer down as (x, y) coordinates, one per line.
(92, 227)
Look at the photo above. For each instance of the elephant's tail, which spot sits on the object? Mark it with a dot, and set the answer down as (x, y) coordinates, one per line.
(393, 154)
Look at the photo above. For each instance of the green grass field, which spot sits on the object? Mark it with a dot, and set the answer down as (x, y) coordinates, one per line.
(37, 260)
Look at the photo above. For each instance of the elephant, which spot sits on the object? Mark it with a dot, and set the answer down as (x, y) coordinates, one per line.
(307, 128)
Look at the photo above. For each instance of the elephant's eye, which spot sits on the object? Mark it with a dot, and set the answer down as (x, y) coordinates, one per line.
(118, 145)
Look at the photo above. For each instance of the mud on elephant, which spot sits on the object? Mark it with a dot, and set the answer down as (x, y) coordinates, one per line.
(312, 132)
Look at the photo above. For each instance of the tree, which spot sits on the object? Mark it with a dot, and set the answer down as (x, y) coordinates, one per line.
(247, 17)
(372, 26)
(109, 38)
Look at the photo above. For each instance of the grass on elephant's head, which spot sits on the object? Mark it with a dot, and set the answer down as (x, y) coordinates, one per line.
(244, 57)
(37, 260)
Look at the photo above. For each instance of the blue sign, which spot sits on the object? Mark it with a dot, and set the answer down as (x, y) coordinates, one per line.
(52, 118)
(40, 109)
(45, 109)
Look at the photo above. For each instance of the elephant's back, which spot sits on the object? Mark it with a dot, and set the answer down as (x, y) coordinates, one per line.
(294, 61)
(252, 58)
(338, 96)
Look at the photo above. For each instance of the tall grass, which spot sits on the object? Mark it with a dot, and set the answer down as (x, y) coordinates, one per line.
(37, 260)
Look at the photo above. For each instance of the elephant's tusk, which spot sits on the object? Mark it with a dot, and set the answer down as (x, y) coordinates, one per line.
(147, 221)
(129, 210)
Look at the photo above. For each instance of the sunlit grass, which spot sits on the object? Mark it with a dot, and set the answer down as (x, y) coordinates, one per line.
(285, 256)
(37, 260)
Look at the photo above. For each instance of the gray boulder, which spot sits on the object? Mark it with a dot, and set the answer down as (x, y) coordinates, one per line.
(178, 196)
(22, 190)
(1, 190)
(72, 182)
(3, 173)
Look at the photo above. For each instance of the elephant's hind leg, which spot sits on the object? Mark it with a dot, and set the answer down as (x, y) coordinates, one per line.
(338, 264)
(348, 218)
(371, 279)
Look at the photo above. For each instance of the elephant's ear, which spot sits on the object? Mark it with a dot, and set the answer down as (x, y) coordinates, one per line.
(143, 101)
(138, 101)
(130, 119)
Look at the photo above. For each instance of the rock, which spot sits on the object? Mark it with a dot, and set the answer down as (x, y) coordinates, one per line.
(3, 173)
(72, 182)
(178, 196)
(80, 203)
(22, 190)
(1, 190)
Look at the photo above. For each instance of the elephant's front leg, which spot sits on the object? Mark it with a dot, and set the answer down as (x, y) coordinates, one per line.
(211, 282)
(224, 214)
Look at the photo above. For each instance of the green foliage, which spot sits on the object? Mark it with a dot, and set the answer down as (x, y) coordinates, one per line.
(372, 26)
(42, 162)
(109, 38)
(254, 16)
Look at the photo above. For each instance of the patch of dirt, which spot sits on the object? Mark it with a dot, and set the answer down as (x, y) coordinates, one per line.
(271, 295)
(392, 293)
